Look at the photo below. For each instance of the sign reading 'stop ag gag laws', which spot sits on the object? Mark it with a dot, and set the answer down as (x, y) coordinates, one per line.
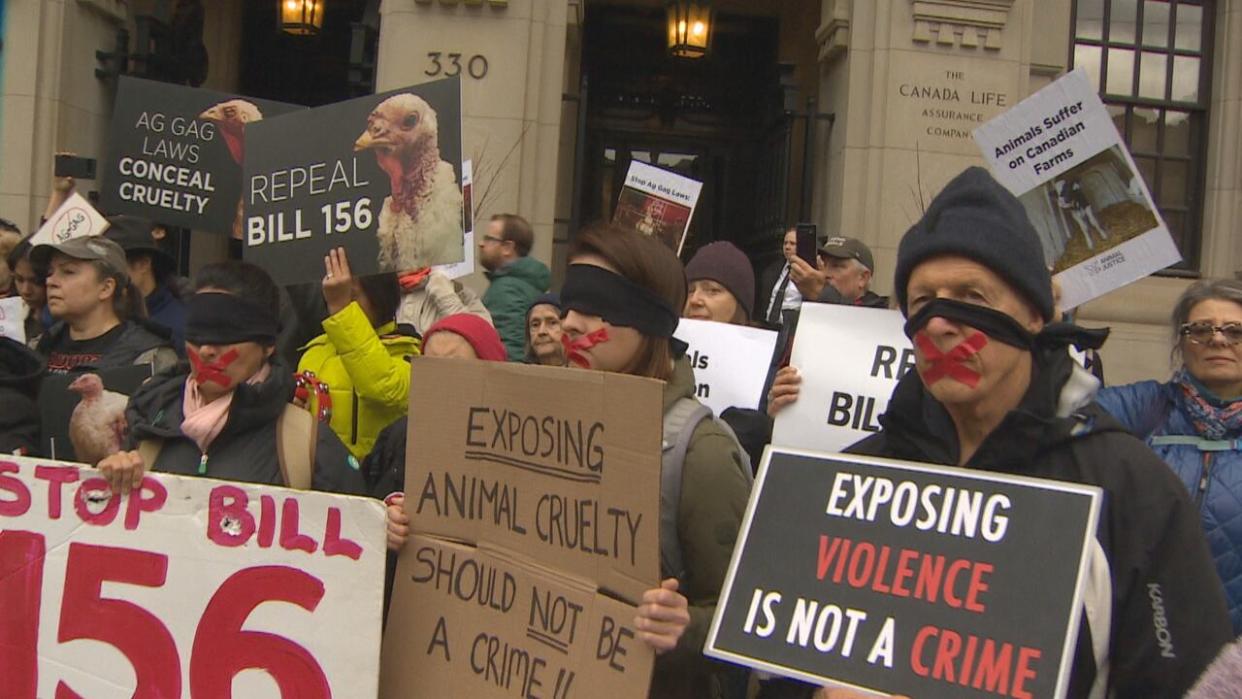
(906, 578)
(379, 175)
(534, 493)
(186, 587)
(175, 153)
(850, 360)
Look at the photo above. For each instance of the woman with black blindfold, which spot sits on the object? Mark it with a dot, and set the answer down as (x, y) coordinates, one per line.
(220, 415)
(621, 299)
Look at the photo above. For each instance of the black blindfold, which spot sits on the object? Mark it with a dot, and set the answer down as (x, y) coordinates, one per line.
(218, 318)
(595, 291)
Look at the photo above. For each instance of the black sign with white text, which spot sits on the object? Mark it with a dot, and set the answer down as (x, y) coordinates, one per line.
(175, 154)
(906, 578)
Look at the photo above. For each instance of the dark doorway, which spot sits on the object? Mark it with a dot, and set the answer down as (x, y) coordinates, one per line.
(719, 119)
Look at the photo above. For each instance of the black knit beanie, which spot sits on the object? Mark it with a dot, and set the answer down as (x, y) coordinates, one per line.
(975, 217)
(723, 263)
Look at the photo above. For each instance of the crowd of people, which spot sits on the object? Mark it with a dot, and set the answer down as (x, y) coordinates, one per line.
(309, 389)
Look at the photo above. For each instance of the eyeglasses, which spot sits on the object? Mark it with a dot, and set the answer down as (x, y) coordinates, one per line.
(492, 239)
(1202, 333)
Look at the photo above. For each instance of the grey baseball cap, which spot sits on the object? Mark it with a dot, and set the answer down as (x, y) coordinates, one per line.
(848, 249)
(89, 247)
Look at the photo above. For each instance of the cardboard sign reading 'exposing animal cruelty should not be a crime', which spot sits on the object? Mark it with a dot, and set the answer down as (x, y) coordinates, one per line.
(379, 175)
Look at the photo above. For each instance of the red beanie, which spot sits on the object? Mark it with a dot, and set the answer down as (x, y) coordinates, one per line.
(478, 332)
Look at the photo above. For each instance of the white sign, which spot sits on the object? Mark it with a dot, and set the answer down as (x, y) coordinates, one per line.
(186, 587)
(453, 270)
(730, 362)
(1060, 154)
(850, 359)
(13, 318)
(658, 203)
(75, 218)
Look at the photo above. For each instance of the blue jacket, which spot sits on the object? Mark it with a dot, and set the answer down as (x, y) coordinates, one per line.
(1154, 412)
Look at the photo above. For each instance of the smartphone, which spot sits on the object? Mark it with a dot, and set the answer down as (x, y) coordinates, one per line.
(75, 167)
(806, 242)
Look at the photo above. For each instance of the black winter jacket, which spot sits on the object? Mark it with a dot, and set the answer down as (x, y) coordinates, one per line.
(245, 449)
(141, 342)
(21, 371)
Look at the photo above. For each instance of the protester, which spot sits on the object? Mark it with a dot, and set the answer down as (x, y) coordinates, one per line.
(20, 373)
(101, 317)
(31, 286)
(153, 272)
(10, 236)
(848, 266)
(223, 415)
(969, 271)
(517, 279)
(428, 296)
(543, 332)
(722, 285)
(362, 355)
(781, 295)
(1194, 420)
(621, 295)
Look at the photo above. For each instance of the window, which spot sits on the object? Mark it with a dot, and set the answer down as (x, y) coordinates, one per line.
(1151, 62)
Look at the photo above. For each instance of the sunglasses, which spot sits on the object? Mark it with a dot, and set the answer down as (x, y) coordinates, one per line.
(1202, 333)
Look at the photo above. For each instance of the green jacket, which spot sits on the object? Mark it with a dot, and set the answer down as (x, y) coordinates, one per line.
(368, 375)
(513, 288)
(714, 492)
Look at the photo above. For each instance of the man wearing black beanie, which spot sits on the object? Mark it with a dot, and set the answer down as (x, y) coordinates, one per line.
(995, 389)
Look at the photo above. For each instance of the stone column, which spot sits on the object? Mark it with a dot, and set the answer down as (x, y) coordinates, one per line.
(511, 55)
(907, 81)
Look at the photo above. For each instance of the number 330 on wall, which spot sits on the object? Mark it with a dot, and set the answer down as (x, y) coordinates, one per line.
(450, 65)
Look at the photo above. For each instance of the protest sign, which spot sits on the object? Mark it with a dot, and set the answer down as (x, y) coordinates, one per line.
(904, 578)
(850, 359)
(1060, 154)
(467, 622)
(186, 587)
(175, 154)
(83, 414)
(76, 218)
(377, 175)
(466, 266)
(562, 466)
(730, 362)
(13, 318)
(657, 202)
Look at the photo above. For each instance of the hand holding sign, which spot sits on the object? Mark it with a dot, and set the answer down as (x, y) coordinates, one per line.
(123, 471)
(663, 616)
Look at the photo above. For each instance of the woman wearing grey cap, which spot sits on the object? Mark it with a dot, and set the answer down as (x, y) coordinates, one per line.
(99, 312)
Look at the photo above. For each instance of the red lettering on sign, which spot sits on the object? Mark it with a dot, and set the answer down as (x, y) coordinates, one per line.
(56, 477)
(95, 491)
(222, 649)
(137, 503)
(267, 520)
(228, 522)
(20, 503)
(21, 584)
(290, 538)
(333, 544)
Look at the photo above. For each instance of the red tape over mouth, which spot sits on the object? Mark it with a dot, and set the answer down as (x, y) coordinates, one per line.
(573, 348)
(950, 363)
(212, 371)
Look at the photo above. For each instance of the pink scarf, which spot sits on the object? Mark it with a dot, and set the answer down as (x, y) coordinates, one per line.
(203, 421)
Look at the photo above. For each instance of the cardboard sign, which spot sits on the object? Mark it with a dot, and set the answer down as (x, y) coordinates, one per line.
(13, 318)
(378, 175)
(559, 465)
(83, 415)
(467, 622)
(175, 153)
(76, 218)
(730, 362)
(466, 266)
(657, 202)
(850, 359)
(906, 578)
(186, 587)
(1060, 153)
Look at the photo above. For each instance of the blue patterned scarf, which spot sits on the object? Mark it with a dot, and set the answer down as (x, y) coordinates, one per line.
(1212, 417)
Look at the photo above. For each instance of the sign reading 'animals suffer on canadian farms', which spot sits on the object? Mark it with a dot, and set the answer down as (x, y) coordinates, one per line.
(534, 496)
(379, 175)
(910, 579)
(175, 154)
(186, 587)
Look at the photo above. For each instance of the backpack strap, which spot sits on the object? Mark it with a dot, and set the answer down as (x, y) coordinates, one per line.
(1200, 443)
(149, 450)
(297, 435)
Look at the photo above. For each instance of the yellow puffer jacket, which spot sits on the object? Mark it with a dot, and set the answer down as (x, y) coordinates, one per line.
(368, 375)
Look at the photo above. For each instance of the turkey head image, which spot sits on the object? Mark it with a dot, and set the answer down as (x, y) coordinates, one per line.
(97, 425)
(421, 221)
(230, 119)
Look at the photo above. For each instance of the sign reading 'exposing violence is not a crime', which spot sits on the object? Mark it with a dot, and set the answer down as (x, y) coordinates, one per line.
(186, 587)
(175, 153)
(906, 578)
(379, 175)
